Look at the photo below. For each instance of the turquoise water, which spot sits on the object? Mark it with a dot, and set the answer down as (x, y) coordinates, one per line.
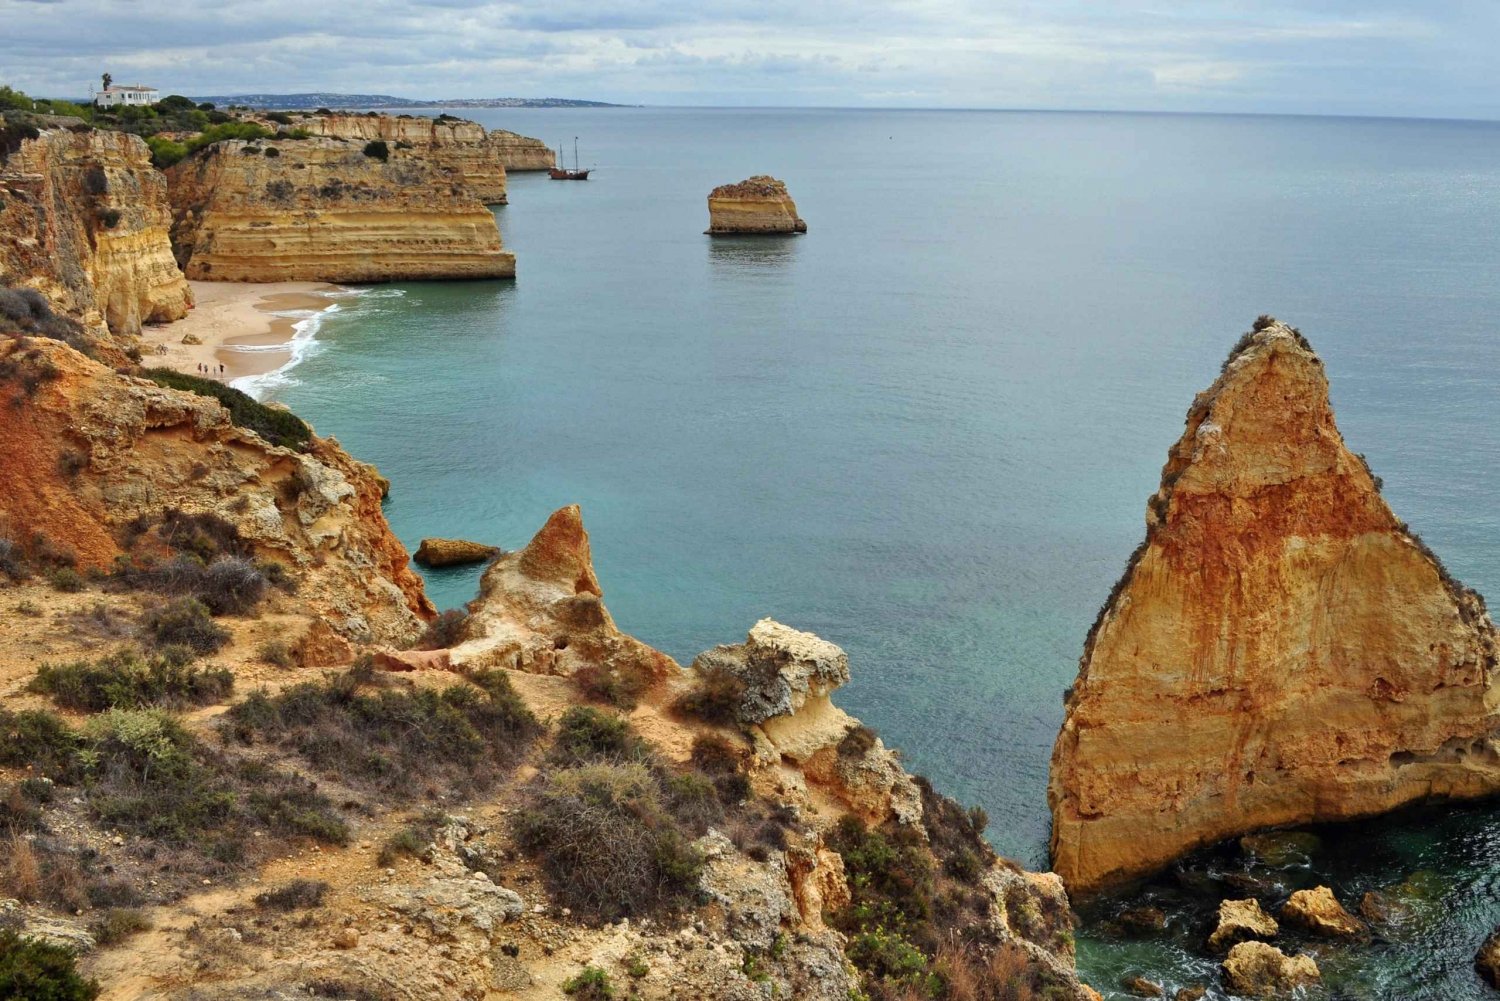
(927, 429)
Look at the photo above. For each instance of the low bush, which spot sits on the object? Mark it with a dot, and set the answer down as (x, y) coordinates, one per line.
(127, 679)
(66, 579)
(715, 697)
(277, 653)
(858, 741)
(34, 970)
(607, 842)
(183, 622)
(13, 561)
(590, 984)
(299, 894)
(461, 739)
(411, 840)
(276, 426)
(444, 631)
(227, 586)
(377, 149)
(586, 735)
(118, 924)
(619, 686)
(40, 741)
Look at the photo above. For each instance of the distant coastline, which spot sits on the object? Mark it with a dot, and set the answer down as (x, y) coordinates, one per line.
(310, 101)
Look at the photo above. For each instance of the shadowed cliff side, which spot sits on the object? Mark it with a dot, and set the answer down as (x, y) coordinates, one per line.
(323, 210)
(84, 220)
(1280, 650)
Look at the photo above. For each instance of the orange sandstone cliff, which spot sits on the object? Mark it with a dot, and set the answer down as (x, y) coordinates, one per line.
(758, 204)
(454, 144)
(1280, 650)
(84, 220)
(321, 210)
(88, 455)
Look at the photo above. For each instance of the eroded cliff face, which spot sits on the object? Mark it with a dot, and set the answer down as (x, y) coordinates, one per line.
(758, 204)
(321, 210)
(1281, 650)
(84, 220)
(454, 144)
(86, 452)
(521, 153)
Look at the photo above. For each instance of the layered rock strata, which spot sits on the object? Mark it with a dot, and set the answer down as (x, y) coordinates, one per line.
(522, 153)
(88, 455)
(454, 144)
(1280, 650)
(758, 204)
(322, 210)
(84, 220)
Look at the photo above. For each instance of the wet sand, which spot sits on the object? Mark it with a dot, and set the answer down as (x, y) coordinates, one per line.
(230, 315)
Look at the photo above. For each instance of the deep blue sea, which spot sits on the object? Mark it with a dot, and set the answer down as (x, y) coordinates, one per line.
(927, 429)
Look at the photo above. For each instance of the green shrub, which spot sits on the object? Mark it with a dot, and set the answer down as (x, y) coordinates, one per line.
(444, 631)
(165, 152)
(591, 984)
(411, 841)
(619, 686)
(66, 579)
(585, 734)
(32, 970)
(183, 622)
(40, 741)
(276, 652)
(299, 894)
(858, 741)
(279, 427)
(127, 680)
(460, 739)
(715, 697)
(378, 150)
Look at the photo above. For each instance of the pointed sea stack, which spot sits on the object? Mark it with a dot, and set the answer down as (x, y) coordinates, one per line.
(759, 204)
(1280, 650)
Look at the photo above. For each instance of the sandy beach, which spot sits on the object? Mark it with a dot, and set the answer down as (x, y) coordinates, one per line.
(234, 315)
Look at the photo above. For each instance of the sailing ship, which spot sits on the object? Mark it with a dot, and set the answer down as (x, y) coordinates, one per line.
(562, 173)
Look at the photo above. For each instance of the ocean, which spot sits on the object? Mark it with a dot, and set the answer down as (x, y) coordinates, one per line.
(927, 429)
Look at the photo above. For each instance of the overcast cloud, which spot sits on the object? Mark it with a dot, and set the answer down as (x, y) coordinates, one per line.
(1380, 57)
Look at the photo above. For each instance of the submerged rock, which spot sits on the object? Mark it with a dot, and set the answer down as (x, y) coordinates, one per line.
(1280, 849)
(1281, 649)
(1319, 912)
(453, 552)
(1258, 970)
(1240, 920)
(759, 204)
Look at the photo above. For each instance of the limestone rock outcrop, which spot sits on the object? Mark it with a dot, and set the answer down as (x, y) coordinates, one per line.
(758, 204)
(89, 456)
(454, 144)
(1239, 921)
(1319, 912)
(84, 220)
(452, 552)
(1258, 970)
(1280, 650)
(1487, 960)
(321, 210)
(540, 609)
(522, 153)
(781, 668)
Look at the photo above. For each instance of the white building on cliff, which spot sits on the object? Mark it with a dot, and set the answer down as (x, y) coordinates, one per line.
(137, 96)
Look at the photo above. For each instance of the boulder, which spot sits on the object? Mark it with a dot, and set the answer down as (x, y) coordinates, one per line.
(1487, 960)
(453, 552)
(1258, 970)
(1139, 987)
(1320, 913)
(782, 668)
(1240, 920)
(1142, 921)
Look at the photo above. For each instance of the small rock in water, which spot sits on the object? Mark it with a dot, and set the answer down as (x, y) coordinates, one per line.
(1141, 921)
(1280, 849)
(1138, 986)
(1487, 961)
(1258, 970)
(1319, 912)
(1197, 993)
(1240, 920)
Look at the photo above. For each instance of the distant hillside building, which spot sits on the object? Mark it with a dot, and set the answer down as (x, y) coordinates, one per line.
(137, 95)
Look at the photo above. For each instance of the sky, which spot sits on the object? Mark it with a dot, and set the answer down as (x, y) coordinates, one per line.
(1377, 57)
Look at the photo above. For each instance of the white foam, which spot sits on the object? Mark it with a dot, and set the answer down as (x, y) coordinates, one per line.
(302, 345)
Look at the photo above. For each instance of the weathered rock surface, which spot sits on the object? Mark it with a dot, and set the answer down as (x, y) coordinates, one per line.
(84, 220)
(88, 451)
(1487, 960)
(451, 552)
(540, 609)
(1319, 912)
(781, 667)
(322, 210)
(454, 144)
(1280, 650)
(758, 204)
(521, 153)
(1240, 920)
(1258, 970)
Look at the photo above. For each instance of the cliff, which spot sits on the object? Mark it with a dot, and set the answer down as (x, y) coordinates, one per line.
(321, 210)
(90, 460)
(758, 204)
(522, 152)
(84, 220)
(452, 144)
(1281, 649)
